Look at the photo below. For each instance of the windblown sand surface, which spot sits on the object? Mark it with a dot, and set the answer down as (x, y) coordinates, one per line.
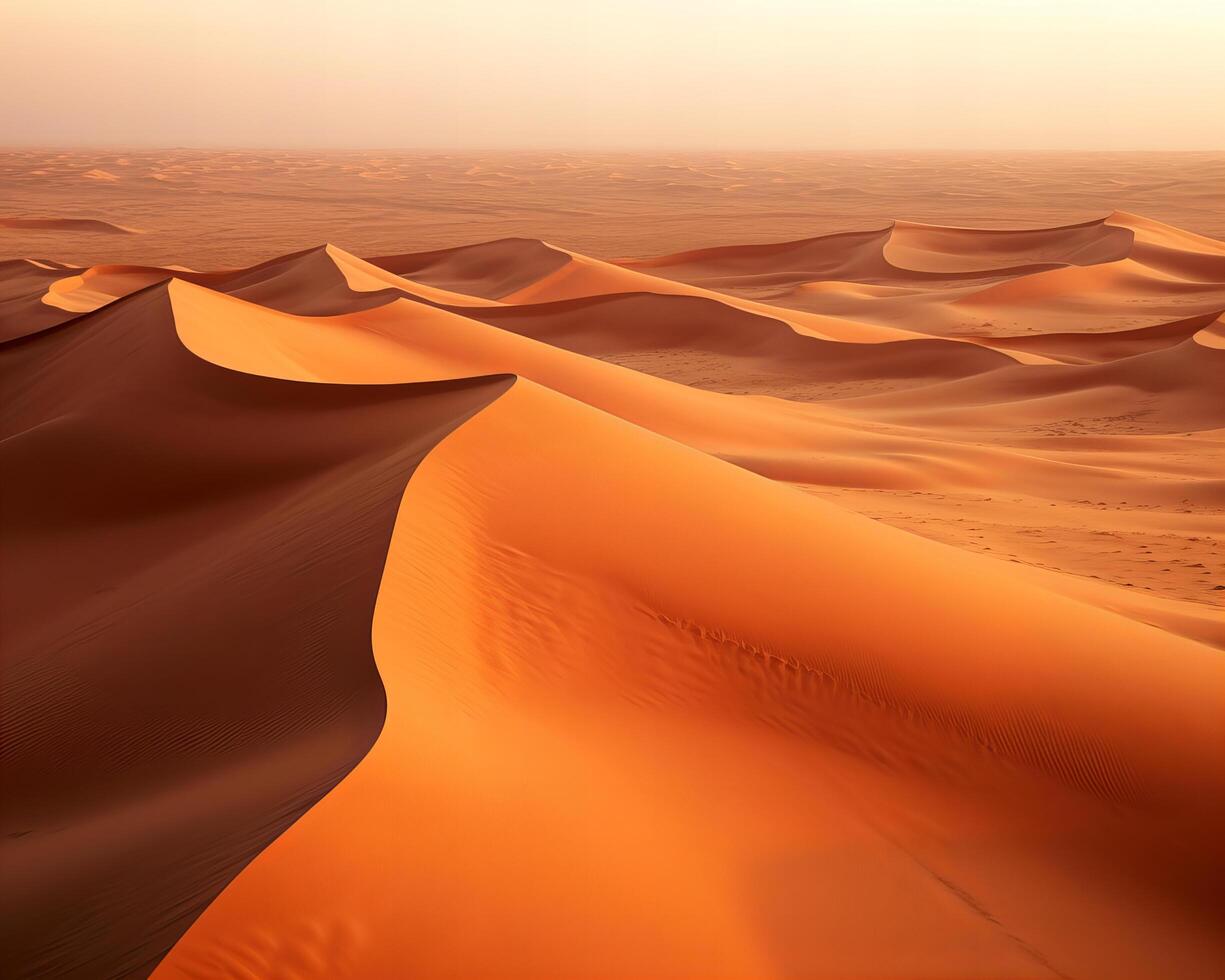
(209, 209)
(849, 606)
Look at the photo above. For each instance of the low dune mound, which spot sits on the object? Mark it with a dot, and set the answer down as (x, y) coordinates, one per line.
(930, 248)
(905, 252)
(1171, 250)
(69, 224)
(1171, 389)
(490, 270)
(1123, 280)
(1088, 348)
(850, 256)
(612, 326)
(173, 703)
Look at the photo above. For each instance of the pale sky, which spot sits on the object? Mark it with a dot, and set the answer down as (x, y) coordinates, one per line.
(629, 74)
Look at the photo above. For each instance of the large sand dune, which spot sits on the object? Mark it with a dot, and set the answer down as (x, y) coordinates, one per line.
(844, 607)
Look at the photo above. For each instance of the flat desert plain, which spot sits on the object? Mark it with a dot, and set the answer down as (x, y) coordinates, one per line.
(557, 564)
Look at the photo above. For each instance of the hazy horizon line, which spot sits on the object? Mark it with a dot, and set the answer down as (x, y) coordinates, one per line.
(572, 149)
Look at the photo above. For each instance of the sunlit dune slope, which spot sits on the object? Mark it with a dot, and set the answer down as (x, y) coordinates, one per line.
(607, 773)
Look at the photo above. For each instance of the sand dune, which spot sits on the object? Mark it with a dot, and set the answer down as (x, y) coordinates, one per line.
(933, 249)
(664, 203)
(403, 342)
(849, 606)
(173, 704)
(1186, 376)
(1172, 250)
(905, 252)
(1081, 348)
(611, 326)
(715, 640)
(490, 270)
(318, 281)
(67, 224)
(1109, 275)
(23, 284)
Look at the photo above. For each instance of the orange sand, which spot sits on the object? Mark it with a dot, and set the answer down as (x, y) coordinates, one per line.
(840, 607)
(209, 208)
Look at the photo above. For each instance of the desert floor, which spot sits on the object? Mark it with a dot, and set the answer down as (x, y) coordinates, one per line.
(211, 209)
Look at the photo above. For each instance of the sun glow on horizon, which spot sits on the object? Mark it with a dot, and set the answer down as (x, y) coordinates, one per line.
(770, 74)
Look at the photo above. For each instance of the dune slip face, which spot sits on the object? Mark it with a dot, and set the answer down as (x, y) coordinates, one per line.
(192, 556)
(844, 606)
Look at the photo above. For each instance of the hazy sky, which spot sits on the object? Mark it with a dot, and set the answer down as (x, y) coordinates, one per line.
(663, 74)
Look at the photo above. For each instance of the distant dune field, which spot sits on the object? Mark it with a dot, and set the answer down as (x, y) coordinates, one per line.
(833, 588)
(210, 209)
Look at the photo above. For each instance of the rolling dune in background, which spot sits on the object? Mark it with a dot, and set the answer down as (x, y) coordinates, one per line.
(848, 606)
(212, 208)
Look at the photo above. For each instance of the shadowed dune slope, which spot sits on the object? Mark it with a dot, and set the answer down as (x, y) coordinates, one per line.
(903, 253)
(848, 256)
(68, 225)
(490, 270)
(319, 281)
(192, 557)
(607, 325)
(1082, 348)
(928, 248)
(1186, 375)
(23, 283)
(1172, 250)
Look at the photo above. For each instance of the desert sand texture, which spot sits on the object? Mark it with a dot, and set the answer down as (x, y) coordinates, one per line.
(210, 208)
(847, 601)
